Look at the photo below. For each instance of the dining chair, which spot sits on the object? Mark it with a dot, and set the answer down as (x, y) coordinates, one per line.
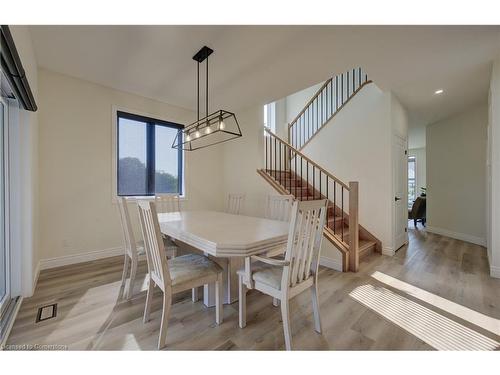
(285, 278)
(168, 203)
(234, 203)
(133, 248)
(279, 207)
(175, 275)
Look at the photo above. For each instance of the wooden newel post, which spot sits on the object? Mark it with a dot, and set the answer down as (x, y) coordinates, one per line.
(353, 227)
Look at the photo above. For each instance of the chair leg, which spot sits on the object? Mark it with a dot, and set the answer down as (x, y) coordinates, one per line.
(124, 275)
(218, 300)
(133, 272)
(415, 222)
(275, 302)
(194, 294)
(285, 315)
(167, 303)
(242, 303)
(315, 304)
(149, 300)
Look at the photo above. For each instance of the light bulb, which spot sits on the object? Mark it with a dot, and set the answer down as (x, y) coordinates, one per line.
(221, 124)
(197, 134)
(208, 130)
(188, 138)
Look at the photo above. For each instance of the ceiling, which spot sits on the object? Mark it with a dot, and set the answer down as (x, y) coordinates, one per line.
(257, 64)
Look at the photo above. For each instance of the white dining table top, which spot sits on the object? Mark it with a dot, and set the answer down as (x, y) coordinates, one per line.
(222, 234)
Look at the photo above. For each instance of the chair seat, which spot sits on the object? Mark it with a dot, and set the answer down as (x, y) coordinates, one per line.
(191, 267)
(265, 274)
(170, 250)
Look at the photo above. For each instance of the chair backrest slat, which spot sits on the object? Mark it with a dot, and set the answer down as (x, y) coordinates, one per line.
(127, 229)
(279, 207)
(166, 203)
(153, 243)
(304, 241)
(234, 203)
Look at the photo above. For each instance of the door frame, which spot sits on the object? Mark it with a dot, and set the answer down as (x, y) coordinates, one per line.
(5, 301)
(398, 138)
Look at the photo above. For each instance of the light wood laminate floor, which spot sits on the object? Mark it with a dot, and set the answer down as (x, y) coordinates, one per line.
(435, 293)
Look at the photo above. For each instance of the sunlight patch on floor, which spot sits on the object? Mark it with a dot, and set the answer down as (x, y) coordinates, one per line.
(434, 329)
(486, 322)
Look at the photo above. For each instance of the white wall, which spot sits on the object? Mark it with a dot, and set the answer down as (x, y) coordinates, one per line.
(416, 137)
(242, 158)
(77, 215)
(456, 175)
(359, 149)
(24, 155)
(421, 158)
(493, 177)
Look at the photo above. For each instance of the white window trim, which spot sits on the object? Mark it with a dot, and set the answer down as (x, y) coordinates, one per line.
(114, 162)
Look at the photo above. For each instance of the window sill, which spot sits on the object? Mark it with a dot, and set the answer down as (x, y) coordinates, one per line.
(135, 198)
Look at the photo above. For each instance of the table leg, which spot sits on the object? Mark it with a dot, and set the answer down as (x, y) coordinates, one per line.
(229, 280)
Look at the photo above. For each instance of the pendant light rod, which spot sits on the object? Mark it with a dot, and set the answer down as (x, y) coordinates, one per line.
(198, 92)
(206, 95)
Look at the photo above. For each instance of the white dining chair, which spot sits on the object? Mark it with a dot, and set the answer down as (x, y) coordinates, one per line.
(175, 275)
(285, 278)
(168, 203)
(279, 207)
(235, 203)
(133, 248)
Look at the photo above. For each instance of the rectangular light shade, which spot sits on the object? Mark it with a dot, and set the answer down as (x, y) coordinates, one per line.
(218, 127)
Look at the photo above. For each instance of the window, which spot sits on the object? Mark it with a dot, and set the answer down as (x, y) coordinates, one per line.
(147, 163)
(270, 117)
(412, 180)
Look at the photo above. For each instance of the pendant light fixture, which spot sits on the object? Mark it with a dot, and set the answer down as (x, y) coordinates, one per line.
(214, 128)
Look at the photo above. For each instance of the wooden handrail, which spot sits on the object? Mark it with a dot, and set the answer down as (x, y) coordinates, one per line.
(309, 102)
(297, 152)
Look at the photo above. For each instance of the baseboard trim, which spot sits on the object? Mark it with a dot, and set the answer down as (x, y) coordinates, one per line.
(334, 264)
(389, 251)
(79, 258)
(495, 272)
(12, 319)
(35, 277)
(458, 236)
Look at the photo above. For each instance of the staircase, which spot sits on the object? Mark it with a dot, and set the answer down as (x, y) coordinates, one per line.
(289, 171)
(332, 96)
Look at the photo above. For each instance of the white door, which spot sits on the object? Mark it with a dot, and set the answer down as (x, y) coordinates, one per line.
(400, 186)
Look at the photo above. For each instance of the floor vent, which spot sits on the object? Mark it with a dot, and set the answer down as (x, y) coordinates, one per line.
(46, 313)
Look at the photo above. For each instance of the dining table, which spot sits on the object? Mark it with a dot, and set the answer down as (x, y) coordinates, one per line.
(225, 238)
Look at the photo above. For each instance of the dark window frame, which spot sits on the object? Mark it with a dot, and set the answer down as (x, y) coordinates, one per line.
(151, 123)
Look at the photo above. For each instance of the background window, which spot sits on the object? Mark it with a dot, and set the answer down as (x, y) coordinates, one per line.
(412, 180)
(147, 163)
(270, 116)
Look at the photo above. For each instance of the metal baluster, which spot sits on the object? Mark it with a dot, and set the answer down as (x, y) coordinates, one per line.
(342, 212)
(359, 76)
(274, 153)
(353, 80)
(266, 154)
(279, 153)
(314, 184)
(307, 179)
(347, 82)
(327, 197)
(301, 176)
(334, 205)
